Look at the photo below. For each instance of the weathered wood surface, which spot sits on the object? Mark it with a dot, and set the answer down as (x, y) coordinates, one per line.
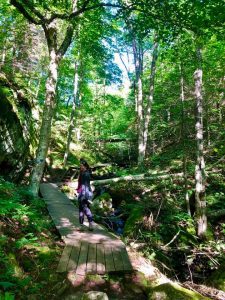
(96, 252)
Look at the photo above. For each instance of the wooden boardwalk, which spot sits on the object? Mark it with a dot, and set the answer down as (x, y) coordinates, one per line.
(96, 252)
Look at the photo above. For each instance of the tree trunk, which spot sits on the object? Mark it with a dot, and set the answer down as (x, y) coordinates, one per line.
(3, 55)
(183, 137)
(141, 177)
(207, 118)
(71, 126)
(140, 121)
(217, 214)
(138, 61)
(146, 118)
(45, 131)
(200, 164)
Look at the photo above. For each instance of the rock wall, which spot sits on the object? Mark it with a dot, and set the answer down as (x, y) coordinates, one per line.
(15, 123)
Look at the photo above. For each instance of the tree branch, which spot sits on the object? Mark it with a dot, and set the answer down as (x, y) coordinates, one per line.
(26, 14)
(83, 9)
(67, 41)
(35, 11)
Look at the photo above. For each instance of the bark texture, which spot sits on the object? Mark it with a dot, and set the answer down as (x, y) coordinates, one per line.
(146, 118)
(72, 116)
(137, 178)
(48, 111)
(200, 201)
(183, 137)
(144, 113)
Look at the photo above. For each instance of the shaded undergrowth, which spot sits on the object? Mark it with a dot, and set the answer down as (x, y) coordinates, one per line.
(29, 245)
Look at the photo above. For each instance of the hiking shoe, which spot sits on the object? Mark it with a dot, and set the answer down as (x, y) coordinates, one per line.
(90, 227)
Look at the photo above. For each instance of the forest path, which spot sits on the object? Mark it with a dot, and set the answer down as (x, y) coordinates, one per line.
(96, 252)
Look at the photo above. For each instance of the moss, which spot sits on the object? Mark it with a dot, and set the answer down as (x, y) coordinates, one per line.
(17, 270)
(172, 291)
(94, 277)
(140, 280)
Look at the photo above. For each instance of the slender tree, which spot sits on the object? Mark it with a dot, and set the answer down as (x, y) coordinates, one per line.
(72, 115)
(144, 133)
(200, 163)
(183, 136)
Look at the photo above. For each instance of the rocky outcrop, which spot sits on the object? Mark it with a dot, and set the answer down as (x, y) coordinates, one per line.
(16, 131)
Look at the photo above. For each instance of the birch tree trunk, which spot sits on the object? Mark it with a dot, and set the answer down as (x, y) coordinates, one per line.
(48, 110)
(71, 125)
(200, 201)
(140, 120)
(146, 119)
(183, 137)
(138, 61)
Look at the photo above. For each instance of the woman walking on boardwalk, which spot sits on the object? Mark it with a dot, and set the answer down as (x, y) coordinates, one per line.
(84, 194)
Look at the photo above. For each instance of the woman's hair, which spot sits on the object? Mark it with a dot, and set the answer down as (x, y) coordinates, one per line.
(84, 163)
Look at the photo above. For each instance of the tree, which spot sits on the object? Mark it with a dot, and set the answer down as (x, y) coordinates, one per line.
(72, 115)
(70, 14)
(200, 163)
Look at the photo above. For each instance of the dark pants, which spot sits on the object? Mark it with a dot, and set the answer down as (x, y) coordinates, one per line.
(84, 210)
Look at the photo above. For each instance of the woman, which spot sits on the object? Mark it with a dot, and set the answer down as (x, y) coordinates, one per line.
(84, 194)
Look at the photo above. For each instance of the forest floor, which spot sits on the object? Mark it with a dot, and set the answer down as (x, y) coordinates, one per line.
(30, 249)
(34, 275)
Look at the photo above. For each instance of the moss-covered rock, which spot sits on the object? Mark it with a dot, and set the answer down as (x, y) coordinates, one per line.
(14, 138)
(172, 291)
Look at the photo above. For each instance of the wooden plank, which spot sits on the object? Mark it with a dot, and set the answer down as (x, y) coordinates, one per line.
(126, 260)
(62, 266)
(100, 259)
(91, 262)
(88, 258)
(82, 262)
(109, 262)
(118, 261)
(72, 264)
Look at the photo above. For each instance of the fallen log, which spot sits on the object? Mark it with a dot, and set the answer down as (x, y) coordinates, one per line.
(216, 214)
(141, 177)
(205, 290)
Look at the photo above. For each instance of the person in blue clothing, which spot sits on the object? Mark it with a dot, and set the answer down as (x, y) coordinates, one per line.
(84, 194)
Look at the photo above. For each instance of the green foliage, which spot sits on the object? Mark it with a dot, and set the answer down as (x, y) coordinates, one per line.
(135, 213)
(102, 205)
(25, 252)
(10, 198)
(155, 214)
(7, 296)
(28, 239)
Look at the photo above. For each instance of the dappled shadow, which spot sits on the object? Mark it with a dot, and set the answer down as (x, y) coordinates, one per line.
(116, 286)
(90, 252)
